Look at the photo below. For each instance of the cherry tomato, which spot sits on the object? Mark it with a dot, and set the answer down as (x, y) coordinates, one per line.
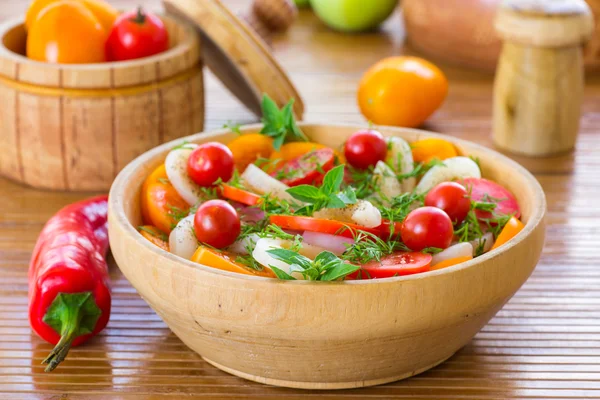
(136, 34)
(319, 225)
(427, 227)
(485, 190)
(451, 197)
(217, 224)
(239, 195)
(210, 162)
(364, 148)
(306, 169)
(396, 264)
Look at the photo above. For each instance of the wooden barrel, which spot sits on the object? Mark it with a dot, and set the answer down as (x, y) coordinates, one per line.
(75, 126)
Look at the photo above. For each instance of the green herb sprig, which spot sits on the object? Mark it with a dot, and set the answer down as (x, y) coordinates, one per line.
(368, 247)
(280, 124)
(328, 195)
(325, 267)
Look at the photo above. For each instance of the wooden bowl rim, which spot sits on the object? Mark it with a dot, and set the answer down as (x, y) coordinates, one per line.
(121, 182)
(181, 47)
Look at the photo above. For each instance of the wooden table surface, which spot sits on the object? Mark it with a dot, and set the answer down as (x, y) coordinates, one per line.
(545, 343)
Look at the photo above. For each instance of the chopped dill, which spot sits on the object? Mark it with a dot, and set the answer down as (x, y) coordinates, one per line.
(156, 233)
(368, 247)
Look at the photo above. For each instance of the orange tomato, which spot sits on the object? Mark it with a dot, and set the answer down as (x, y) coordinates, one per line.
(155, 236)
(450, 262)
(401, 91)
(510, 230)
(248, 148)
(159, 199)
(427, 149)
(66, 32)
(222, 261)
(105, 13)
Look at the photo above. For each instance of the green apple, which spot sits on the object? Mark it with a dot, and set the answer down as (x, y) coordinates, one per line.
(353, 15)
(302, 3)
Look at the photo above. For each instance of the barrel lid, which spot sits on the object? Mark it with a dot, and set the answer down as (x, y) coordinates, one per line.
(236, 54)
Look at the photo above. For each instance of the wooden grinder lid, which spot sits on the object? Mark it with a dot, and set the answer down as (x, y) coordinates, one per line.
(545, 23)
(237, 55)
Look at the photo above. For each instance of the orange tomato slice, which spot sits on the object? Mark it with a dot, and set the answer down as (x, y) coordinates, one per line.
(248, 148)
(225, 262)
(159, 200)
(155, 236)
(105, 13)
(427, 149)
(510, 230)
(450, 262)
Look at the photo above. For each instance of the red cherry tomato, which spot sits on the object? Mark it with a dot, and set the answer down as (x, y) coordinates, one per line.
(209, 162)
(364, 148)
(451, 197)
(136, 34)
(217, 224)
(309, 168)
(427, 227)
(485, 190)
(396, 264)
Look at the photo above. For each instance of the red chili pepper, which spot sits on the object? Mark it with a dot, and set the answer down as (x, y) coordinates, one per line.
(69, 296)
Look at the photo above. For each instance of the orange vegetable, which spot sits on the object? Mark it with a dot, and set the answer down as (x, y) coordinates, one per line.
(427, 149)
(510, 230)
(160, 200)
(66, 32)
(450, 262)
(223, 261)
(292, 150)
(105, 13)
(401, 91)
(155, 236)
(248, 148)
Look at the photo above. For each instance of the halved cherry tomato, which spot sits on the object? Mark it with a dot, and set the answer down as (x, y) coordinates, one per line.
(482, 189)
(364, 149)
(396, 264)
(311, 224)
(240, 195)
(427, 227)
(160, 201)
(510, 230)
(450, 262)
(217, 224)
(155, 236)
(226, 262)
(306, 169)
(451, 197)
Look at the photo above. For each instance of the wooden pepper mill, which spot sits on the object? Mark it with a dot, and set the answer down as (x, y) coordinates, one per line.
(267, 17)
(539, 81)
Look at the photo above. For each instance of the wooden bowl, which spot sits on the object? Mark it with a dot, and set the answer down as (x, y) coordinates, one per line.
(74, 127)
(326, 335)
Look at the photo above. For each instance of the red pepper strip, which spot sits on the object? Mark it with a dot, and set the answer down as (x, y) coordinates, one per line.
(69, 297)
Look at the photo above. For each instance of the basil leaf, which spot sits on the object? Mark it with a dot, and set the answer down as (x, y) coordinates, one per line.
(305, 193)
(271, 114)
(348, 196)
(339, 271)
(282, 274)
(335, 202)
(333, 180)
(325, 257)
(290, 257)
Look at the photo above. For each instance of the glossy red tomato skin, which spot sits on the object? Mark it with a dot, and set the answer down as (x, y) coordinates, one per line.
(427, 227)
(452, 198)
(210, 162)
(480, 187)
(365, 148)
(217, 224)
(136, 34)
(396, 264)
(308, 169)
